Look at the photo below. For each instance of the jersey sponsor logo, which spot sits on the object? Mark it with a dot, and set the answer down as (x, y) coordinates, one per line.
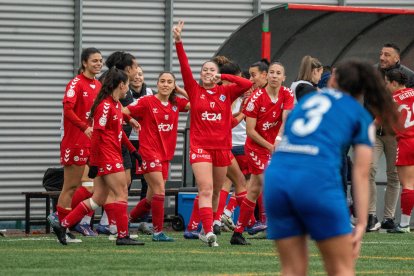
(268, 125)
(108, 167)
(87, 115)
(222, 98)
(263, 109)
(165, 127)
(155, 110)
(250, 106)
(206, 116)
(76, 158)
(85, 93)
(212, 104)
(118, 165)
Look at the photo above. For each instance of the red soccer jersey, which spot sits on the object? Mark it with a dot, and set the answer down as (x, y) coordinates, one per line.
(210, 114)
(268, 115)
(107, 133)
(79, 96)
(159, 125)
(405, 100)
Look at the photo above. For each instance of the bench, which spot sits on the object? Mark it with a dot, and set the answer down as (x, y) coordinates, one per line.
(55, 195)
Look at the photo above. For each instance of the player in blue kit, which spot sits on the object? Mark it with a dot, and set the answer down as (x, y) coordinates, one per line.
(303, 191)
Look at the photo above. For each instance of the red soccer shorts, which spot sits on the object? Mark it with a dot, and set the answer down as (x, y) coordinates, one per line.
(219, 158)
(74, 156)
(243, 163)
(405, 152)
(257, 163)
(154, 166)
(108, 168)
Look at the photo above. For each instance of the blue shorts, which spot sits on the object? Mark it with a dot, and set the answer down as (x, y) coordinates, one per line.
(302, 200)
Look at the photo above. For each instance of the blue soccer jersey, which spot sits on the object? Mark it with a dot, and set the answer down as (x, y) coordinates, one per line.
(302, 191)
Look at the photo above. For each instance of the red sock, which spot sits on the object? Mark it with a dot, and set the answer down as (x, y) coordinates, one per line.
(157, 206)
(206, 217)
(80, 195)
(240, 197)
(246, 212)
(260, 205)
(232, 204)
(222, 203)
(195, 217)
(76, 215)
(407, 201)
(62, 212)
(143, 208)
(110, 210)
(121, 218)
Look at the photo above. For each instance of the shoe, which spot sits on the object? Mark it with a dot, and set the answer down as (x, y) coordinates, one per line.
(216, 229)
(373, 224)
(161, 237)
(70, 238)
(238, 239)
(210, 238)
(191, 235)
(256, 228)
(388, 224)
(228, 222)
(103, 229)
(145, 229)
(60, 233)
(128, 241)
(85, 229)
(399, 230)
(53, 220)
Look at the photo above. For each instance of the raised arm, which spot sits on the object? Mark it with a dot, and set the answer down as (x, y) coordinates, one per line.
(239, 86)
(188, 79)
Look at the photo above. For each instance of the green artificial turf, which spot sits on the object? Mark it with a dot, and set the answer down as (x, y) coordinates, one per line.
(382, 254)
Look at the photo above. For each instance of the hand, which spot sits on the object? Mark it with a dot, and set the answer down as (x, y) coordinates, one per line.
(357, 236)
(93, 172)
(177, 29)
(134, 123)
(216, 78)
(88, 132)
(137, 157)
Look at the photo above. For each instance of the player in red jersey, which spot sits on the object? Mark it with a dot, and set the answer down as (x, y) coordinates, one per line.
(266, 112)
(210, 130)
(158, 116)
(395, 81)
(75, 146)
(106, 158)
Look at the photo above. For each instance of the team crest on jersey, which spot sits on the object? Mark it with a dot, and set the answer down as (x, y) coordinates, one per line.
(212, 104)
(250, 106)
(85, 93)
(193, 156)
(222, 98)
(70, 93)
(76, 158)
(155, 110)
(118, 165)
(102, 121)
(174, 108)
(263, 109)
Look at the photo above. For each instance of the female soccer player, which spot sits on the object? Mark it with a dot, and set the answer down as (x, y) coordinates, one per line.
(106, 159)
(266, 112)
(303, 191)
(404, 97)
(210, 130)
(76, 142)
(158, 115)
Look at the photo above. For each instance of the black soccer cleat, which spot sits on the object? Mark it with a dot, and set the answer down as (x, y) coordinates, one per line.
(60, 233)
(128, 241)
(238, 239)
(216, 229)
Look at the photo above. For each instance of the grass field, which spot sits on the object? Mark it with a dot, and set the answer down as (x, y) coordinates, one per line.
(382, 254)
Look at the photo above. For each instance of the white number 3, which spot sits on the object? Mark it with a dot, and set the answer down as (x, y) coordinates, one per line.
(316, 107)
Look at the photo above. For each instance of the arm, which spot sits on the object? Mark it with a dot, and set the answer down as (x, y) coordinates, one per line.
(71, 116)
(239, 86)
(255, 136)
(282, 127)
(181, 91)
(125, 141)
(360, 181)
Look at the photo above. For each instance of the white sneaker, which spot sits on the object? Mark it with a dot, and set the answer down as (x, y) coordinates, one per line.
(113, 237)
(210, 238)
(72, 239)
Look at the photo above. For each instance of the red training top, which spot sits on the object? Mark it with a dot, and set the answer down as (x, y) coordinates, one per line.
(405, 101)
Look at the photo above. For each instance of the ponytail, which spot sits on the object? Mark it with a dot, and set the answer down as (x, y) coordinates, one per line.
(262, 65)
(307, 64)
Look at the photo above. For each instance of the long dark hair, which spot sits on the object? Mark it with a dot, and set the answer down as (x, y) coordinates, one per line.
(173, 95)
(120, 60)
(362, 79)
(262, 65)
(112, 79)
(86, 53)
